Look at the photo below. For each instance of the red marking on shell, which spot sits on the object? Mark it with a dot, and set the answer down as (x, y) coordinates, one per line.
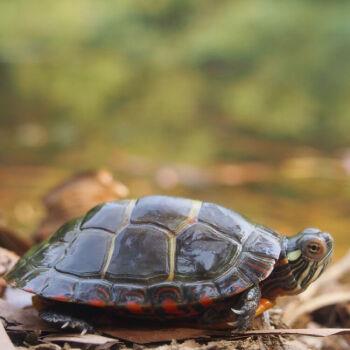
(170, 306)
(205, 300)
(134, 307)
(97, 302)
(60, 298)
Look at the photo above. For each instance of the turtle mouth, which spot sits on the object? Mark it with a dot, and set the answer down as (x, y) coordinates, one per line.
(313, 271)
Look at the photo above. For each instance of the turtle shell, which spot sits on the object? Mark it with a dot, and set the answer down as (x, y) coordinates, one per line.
(154, 252)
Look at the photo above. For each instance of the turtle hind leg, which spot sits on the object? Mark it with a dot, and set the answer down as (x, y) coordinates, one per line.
(64, 315)
(245, 314)
(64, 320)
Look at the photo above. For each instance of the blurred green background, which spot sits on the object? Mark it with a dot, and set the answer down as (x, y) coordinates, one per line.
(246, 103)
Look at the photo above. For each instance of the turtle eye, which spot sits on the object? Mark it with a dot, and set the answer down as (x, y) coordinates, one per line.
(315, 249)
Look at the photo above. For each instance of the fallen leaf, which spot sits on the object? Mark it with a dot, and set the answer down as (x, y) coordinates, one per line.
(146, 336)
(94, 339)
(26, 319)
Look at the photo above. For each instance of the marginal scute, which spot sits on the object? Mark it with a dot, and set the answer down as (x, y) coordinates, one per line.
(169, 212)
(129, 293)
(24, 265)
(16, 275)
(233, 283)
(140, 252)
(256, 267)
(90, 290)
(202, 253)
(225, 220)
(165, 292)
(36, 281)
(48, 255)
(195, 291)
(109, 216)
(263, 243)
(60, 287)
(86, 256)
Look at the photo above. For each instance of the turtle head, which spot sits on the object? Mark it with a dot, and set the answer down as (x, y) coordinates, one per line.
(308, 253)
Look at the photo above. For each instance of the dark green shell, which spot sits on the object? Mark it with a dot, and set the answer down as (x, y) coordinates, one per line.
(148, 251)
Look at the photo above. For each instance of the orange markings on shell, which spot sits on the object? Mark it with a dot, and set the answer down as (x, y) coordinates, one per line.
(60, 298)
(205, 300)
(97, 303)
(134, 307)
(170, 306)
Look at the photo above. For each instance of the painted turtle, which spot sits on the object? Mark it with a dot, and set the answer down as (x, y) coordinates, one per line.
(167, 258)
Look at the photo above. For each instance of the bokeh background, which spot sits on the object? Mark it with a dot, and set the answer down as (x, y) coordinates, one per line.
(244, 103)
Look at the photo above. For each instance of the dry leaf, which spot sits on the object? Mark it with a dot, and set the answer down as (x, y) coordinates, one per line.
(146, 336)
(22, 319)
(94, 339)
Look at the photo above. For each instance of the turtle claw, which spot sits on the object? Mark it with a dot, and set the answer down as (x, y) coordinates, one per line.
(246, 312)
(66, 321)
(237, 312)
(243, 319)
(65, 325)
(233, 324)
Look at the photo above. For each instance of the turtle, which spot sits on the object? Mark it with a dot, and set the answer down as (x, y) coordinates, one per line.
(167, 258)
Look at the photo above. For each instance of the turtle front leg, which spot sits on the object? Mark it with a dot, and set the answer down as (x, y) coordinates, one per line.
(249, 304)
(65, 321)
